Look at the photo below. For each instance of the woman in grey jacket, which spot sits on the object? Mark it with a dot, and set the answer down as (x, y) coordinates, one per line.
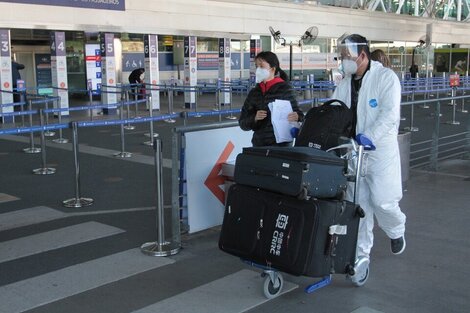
(271, 85)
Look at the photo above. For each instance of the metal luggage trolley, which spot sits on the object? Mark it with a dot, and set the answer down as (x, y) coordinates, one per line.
(273, 279)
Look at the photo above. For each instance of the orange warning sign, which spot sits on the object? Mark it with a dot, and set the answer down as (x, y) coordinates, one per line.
(454, 80)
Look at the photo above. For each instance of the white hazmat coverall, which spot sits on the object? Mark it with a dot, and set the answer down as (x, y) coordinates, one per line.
(378, 118)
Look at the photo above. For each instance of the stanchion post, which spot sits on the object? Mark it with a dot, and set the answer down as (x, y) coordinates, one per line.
(31, 149)
(196, 97)
(161, 247)
(46, 106)
(123, 153)
(128, 108)
(22, 99)
(60, 139)
(44, 170)
(435, 138)
(90, 98)
(467, 139)
(454, 104)
(170, 106)
(463, 110)
(412, 117)
(151, 133)
(78, 201)
(231, 117)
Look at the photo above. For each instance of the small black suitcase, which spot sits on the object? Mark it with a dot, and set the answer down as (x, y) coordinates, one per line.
(301, 237)
(296, 171)
(324, 125)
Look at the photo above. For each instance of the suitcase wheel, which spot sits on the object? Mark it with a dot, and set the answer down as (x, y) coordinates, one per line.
(273, 284)
(350, 270)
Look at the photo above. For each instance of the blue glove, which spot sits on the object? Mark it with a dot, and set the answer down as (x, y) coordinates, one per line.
(363, 140)
(294, 131)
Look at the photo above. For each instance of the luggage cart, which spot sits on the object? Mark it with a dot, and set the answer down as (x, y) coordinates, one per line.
(273, 279)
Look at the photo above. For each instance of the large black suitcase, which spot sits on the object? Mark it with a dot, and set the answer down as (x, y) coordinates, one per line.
(301, 237)
(296, 171)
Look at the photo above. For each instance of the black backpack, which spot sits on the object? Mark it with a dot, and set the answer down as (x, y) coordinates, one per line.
(323, 125)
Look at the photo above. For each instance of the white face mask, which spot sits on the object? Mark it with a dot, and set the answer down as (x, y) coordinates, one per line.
(349, 67)
(142, 76)
(261, 74)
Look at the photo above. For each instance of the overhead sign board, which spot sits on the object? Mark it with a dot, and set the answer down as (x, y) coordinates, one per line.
(101, 4)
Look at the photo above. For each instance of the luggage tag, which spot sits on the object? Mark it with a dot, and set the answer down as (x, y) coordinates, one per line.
(333, 232)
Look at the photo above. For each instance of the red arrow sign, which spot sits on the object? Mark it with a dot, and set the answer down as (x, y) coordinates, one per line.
(214, 180)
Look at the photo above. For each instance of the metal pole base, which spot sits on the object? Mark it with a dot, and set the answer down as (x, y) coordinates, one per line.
(44, 171)
(60, 140)
(155, 249)
(463, 111)
(129, 127)
(170, 120)
(453, 122)
(231, 117)
(155, 135)
(49, 133)
(123, 155)
(412, 129)
(77, 203)
(32, 150)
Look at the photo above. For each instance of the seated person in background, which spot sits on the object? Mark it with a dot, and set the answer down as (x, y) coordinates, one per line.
(137, 77)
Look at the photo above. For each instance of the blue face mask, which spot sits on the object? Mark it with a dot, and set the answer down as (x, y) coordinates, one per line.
(261, 74)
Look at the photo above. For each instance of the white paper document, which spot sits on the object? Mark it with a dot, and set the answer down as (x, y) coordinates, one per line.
(279, 111)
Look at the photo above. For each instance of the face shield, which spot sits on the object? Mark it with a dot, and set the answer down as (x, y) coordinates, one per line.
(348, 51)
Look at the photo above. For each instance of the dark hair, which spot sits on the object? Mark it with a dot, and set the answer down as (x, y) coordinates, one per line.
(364, 44)
(380, 56)
(271, 58)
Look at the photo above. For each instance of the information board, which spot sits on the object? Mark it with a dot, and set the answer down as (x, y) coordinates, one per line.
(93, 66)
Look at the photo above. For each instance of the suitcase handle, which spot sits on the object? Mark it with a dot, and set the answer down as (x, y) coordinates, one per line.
(263, 173)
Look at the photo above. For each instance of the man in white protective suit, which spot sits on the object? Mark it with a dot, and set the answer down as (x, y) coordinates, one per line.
(373, 93)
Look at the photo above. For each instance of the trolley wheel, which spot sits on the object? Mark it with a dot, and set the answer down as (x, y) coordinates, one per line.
(363, 280)
(273, 289)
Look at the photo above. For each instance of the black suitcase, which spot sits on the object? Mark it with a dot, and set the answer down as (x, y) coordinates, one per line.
(301, 237)
(296, 171)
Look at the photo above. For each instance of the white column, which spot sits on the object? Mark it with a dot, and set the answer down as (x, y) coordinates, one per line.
(5, 71)
(59, 70)
(255, 48)
(108, 70)
(152, 73)
(225, 69)
(190, 69)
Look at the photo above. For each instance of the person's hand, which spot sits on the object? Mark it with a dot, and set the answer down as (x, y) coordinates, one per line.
(363, 140)
(293, 117)
(260, 115)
